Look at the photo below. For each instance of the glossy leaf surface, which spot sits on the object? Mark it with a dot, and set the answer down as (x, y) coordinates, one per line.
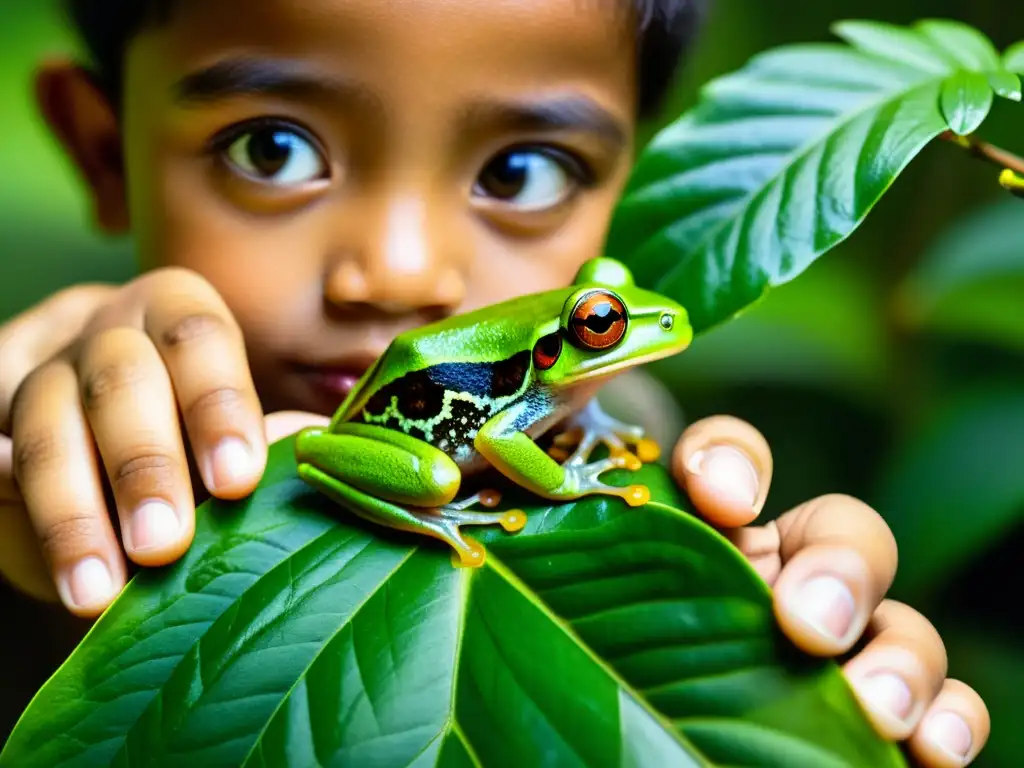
(781, 160)
(598, 636)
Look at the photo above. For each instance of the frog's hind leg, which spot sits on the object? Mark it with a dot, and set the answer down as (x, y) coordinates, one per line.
(591, 426)
(441, 523)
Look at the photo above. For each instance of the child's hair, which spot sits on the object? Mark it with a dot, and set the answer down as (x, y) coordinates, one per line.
(665, 28)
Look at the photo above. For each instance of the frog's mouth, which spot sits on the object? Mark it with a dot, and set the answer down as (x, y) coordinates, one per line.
(601, 372)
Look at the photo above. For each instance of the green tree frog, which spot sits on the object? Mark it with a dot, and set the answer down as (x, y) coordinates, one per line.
(474, 391)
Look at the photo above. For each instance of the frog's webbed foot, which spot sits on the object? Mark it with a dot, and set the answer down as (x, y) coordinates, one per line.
(590, 427)
(585, 478)
(445, 524)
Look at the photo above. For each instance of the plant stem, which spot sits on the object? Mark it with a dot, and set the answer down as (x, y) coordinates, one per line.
(986, 151)
(1012, 177)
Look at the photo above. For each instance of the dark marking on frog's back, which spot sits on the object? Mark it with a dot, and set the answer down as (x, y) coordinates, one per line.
(507, 376)
(420, 394)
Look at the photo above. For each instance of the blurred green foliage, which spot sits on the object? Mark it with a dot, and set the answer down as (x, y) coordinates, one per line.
(893, 370)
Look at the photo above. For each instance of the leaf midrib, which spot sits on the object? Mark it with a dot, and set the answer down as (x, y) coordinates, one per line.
(503, 571)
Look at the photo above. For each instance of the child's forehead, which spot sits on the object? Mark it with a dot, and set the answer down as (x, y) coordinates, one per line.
(525, 34)
(401, 53)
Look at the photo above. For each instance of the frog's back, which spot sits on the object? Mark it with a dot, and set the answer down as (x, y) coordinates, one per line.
(442, 382)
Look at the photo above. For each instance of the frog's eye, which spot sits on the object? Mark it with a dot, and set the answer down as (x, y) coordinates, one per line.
(276, 154)
(598, 321)
(546, 351)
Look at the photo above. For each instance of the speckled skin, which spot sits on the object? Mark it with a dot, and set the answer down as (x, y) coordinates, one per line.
(474, 391)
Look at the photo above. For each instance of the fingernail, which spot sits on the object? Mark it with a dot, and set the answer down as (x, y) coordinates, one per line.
(155, 524)
(886, 692)
(728, 471)
(232, 461)
(825, 603)
(950, 733)
(89, 583)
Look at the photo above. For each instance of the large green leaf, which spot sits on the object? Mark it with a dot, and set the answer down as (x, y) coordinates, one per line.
(969, 284)
(598, 636)
(956, 486)
(782, 160)
(1013, 59)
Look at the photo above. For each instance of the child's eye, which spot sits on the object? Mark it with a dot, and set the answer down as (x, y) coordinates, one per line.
(530, 179)
(276, 155)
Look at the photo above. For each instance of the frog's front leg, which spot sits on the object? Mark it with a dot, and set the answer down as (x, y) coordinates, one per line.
(396, 481)
(520, 459)
(591, 426)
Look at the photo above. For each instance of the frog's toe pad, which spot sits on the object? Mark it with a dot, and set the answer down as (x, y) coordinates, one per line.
(647, 450)
(627, 460)
(637, 495)
(472, 556)
(513, 520)
(489, 498)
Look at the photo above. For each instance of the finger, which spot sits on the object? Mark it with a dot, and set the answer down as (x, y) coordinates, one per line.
(188, 321)
(130, 405)
(39, 334)
(725, 466)
(838, 560)
(21, 562)
(8, 491)
(900, 671)
(55, 466)
(284, 423)
(954, 729)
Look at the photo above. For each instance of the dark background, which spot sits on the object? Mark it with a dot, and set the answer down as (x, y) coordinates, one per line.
(893, 370)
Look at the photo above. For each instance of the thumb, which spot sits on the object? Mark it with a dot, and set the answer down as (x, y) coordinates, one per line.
(725, 467)
(284, 423)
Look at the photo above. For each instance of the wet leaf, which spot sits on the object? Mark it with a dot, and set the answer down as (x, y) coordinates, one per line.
(783, 159)
(599, 636)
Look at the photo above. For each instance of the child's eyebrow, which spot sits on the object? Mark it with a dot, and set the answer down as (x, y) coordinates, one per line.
(565, 113)
(292, 78)
(263, 77)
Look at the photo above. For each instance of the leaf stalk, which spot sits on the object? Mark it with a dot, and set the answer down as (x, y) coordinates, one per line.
(1012, 176)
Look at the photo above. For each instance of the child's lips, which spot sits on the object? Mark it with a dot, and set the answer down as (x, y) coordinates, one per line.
(336, 378)
(337, 381)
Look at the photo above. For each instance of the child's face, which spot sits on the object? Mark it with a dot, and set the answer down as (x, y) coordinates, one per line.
(342, 170)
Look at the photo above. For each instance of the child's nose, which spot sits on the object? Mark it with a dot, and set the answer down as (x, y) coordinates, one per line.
(405, 265)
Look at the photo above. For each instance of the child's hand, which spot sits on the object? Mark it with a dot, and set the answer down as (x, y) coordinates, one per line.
(830, 562)
(104, 376)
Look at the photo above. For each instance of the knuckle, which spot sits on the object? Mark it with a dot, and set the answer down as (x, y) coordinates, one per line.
(35, 452)
(220, 399)
(192, 327)
(68, 534)
(110, 380)
(146, 473)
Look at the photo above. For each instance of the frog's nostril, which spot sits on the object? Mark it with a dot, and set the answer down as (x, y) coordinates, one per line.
(667, 321)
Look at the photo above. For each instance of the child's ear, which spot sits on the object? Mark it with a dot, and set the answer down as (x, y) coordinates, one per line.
(87, 125)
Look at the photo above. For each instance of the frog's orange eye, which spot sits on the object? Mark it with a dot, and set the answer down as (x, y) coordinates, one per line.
(598, 321)
(546, 351)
